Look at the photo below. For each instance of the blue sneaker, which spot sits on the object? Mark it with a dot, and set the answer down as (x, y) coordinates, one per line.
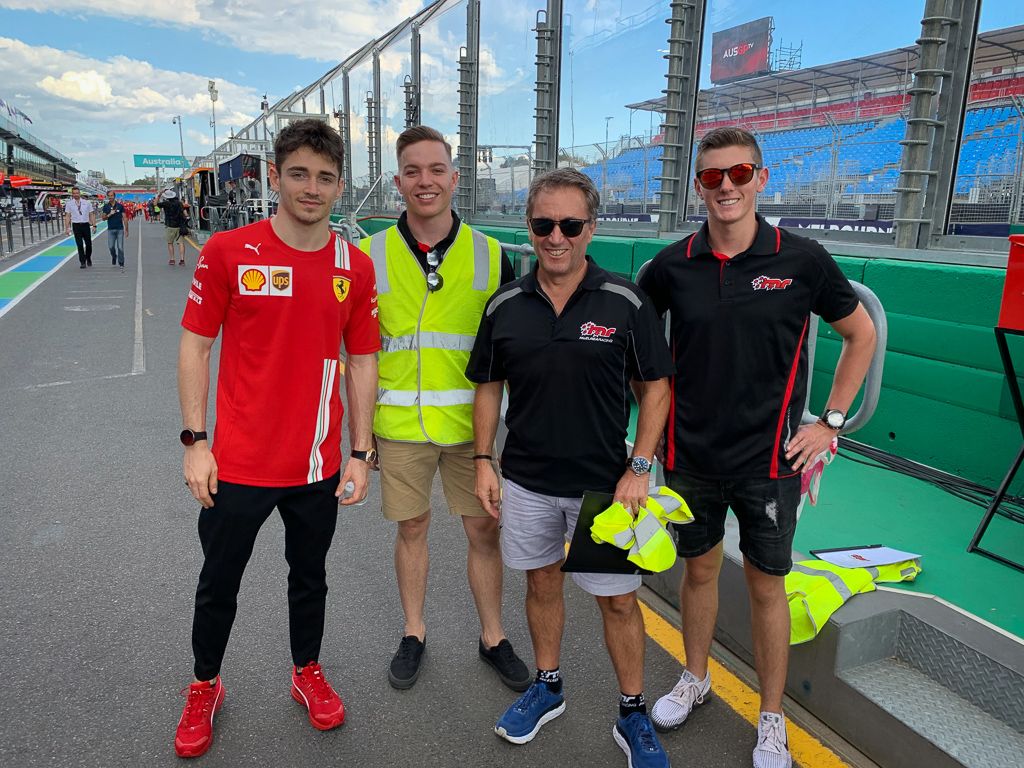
(635, 735)
(523, 719)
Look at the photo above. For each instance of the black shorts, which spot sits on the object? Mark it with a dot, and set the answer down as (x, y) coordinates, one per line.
(765, 509)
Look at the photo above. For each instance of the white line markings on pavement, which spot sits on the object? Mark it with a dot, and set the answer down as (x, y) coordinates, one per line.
(139, 355)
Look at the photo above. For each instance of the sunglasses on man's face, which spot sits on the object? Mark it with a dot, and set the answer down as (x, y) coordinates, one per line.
(739, 174)
(569, 227)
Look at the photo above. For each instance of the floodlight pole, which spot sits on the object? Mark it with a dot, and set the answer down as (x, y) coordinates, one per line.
(181, 141)
(211, 86)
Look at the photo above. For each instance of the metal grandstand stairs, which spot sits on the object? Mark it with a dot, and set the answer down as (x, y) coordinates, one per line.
(909, 678)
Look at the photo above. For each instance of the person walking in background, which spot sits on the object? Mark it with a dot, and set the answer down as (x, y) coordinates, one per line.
(116, 216)
(174, 217)
(80, 219)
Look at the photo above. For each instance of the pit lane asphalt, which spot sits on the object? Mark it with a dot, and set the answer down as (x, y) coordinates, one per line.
(100, 560)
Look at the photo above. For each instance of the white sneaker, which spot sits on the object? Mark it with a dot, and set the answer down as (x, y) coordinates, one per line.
(672, 709)
(772, 750)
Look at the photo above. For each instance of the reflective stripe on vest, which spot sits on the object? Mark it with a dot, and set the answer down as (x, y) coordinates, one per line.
(816, 589)
(439, 399)
(649, 543)
(426, 337)
(428, 340)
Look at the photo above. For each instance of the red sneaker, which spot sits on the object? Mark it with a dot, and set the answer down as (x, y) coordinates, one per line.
(310, 689)
(195, 728)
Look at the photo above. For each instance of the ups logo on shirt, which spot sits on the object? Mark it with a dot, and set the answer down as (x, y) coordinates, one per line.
(281, 279)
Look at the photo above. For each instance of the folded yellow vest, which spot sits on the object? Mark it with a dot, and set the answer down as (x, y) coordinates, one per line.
(816, 589)
(650, 545)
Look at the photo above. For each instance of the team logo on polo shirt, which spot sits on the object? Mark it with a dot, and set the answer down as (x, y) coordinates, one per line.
(765, 283)
(341, 286)
(260, 280)
(590, 331)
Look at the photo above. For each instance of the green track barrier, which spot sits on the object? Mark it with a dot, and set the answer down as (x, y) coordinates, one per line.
(944, 399)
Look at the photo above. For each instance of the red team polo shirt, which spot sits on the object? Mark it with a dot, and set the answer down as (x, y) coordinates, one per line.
(284, 315)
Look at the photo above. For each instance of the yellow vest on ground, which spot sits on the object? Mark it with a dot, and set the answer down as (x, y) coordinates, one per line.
(423, 394)
(650, 545)
(816, 589)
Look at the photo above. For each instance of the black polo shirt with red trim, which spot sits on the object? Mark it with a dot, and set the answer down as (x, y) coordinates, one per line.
(739, 342)
(568, 378)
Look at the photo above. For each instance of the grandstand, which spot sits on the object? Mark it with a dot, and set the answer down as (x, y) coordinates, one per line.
(831, 135)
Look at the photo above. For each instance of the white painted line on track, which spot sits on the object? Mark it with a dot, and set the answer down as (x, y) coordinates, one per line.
(139, 355)
(80, 381)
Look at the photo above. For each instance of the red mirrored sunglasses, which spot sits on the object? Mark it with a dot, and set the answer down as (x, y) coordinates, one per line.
(739, 174)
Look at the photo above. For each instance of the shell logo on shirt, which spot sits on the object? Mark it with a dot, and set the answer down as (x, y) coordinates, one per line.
(253, 280)
(260, 280)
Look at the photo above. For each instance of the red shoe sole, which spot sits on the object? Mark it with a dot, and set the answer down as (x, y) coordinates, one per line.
(196, 750)
(316, 723)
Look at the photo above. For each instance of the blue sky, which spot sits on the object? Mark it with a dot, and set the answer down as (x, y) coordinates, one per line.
(101, 81)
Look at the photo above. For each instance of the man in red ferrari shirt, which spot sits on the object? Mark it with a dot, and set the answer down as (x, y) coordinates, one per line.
(286, 293)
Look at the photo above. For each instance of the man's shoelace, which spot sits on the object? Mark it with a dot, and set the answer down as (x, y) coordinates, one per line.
(771, 738)
(688, 692)
(315, 678)
(198, 705)
(525, 702)
(407, 648)
(645, 735)
(505, 653)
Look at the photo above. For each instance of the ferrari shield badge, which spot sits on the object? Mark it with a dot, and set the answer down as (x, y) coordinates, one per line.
(341, 286)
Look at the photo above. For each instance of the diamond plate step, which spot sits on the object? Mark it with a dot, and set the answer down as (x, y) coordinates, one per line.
(962, 730)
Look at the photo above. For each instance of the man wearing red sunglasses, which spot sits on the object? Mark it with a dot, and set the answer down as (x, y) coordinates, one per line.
(741, 293)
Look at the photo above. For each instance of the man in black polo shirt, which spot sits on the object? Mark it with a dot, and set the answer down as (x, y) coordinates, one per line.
(741, 293)
(567, 339)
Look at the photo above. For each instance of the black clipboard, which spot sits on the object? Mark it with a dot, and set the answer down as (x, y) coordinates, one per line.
(586, 555)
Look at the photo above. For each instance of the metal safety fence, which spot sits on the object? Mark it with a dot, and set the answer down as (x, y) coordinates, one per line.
(19, 231)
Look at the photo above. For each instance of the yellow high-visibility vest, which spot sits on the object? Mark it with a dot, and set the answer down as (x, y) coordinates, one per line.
(423, 394)
(650, 545)
(816, 589)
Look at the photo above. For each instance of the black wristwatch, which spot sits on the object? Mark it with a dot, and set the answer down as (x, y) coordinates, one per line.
(190, 437)
(833, 419)
(370, 456)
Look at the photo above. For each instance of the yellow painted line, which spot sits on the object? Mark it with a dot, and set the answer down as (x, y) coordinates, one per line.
(804, 747)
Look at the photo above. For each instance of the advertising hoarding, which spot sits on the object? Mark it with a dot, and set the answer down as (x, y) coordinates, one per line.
(740, 52)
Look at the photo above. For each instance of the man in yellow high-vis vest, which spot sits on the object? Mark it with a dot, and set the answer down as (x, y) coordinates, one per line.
(434, 276)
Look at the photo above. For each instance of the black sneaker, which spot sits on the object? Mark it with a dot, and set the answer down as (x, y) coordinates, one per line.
(405, 666)
(510, 668)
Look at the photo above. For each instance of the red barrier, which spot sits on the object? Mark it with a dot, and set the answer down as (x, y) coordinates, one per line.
(1011, 311)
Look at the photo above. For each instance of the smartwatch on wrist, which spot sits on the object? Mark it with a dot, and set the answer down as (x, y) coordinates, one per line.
(191, 437)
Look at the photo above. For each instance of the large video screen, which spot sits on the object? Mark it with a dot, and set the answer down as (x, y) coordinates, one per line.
(742, 51)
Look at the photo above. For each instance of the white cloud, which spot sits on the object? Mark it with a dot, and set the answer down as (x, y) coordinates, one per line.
(197, 137)
(307, 30)
(100, 111)
(88, 86)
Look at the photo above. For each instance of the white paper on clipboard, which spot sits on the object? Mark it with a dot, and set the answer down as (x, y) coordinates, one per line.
(863, 557)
